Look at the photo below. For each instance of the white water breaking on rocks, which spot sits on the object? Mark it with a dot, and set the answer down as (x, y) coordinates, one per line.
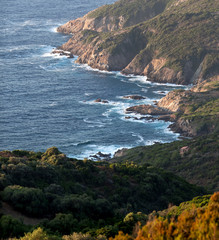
(49, 100)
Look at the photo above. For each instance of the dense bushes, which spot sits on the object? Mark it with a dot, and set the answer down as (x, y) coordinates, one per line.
(197, 219)
(31, 201)
(202, 154)
(195, 223)
(83, 195)
(10, 227)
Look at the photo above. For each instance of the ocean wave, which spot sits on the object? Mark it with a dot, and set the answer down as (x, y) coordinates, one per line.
(53, 55)
(166, 84)
(161, 92)
(94, 149)
(94, 123)
(108, 103)
(54, 29)
(85, 143)
(21, 48)
(52, 68)
(88, 68)
(140, 138)
(88, 94)
(53, 104)
(144, 80)
(144, 90)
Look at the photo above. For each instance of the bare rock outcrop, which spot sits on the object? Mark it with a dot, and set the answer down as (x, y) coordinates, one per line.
(147, 109)
(112, 17)
(173, 100)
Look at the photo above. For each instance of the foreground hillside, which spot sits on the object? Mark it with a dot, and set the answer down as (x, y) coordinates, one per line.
(197, 219)
(168, 41)
(76, 195)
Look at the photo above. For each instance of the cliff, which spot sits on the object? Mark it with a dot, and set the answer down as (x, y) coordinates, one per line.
(196, 110)
(171, 41)
(116, 16)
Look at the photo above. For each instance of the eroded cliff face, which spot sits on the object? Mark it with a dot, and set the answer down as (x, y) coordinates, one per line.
(174, 100)
(196, 110)
(109, 39)
(125, 58)
(106, 24)
(116, 16)
(101, 52)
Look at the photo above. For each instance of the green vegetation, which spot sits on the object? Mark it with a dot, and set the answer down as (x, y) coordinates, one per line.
(210, 64)
(129, 10)
(184, 33)
(196, 219)
(85, 196)
(192, 223)
(201, 110)
(11, 227)
(202, 154)
(83, 200)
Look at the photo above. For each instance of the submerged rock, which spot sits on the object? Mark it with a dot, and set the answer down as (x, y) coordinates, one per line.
(99, 100)
(134, 97)
(101, 156)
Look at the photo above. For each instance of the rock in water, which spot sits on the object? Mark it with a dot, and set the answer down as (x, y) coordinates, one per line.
(63, 53)
(134, 97)
(99, 100)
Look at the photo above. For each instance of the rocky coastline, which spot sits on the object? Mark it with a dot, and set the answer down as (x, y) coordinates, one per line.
(114, 41)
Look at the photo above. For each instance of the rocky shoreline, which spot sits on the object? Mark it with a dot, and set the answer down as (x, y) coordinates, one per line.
(114, 42)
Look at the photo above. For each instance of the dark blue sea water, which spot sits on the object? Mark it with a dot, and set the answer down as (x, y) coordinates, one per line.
(48, 100)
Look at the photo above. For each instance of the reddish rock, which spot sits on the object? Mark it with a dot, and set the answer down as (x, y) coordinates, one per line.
(98, 100)
(184, 150)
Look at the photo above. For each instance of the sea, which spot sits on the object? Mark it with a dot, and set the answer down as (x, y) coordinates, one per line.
(48, 100)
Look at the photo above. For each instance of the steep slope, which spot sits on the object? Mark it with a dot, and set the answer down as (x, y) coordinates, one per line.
(199, 220)
(116, 16)
(196, 160)
(172, 45)
(196, 110)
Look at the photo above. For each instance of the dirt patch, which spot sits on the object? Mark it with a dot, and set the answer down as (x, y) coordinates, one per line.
(8, 210)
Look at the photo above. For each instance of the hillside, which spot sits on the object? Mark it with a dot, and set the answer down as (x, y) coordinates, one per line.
(176, 41)
(75, 195)
(116, 16)
(196, 219)
(196, 160)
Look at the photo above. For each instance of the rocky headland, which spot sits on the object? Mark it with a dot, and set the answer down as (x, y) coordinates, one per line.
(151, 39)
(169, 41)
